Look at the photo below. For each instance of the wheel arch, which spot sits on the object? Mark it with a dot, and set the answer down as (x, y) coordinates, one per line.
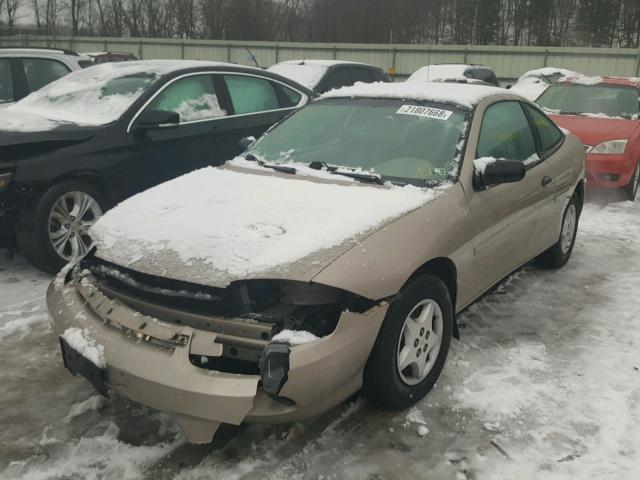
(579, 191)
(92, 178)
(445, 269)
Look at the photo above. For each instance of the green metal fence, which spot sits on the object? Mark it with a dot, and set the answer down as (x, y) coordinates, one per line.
(508, 62)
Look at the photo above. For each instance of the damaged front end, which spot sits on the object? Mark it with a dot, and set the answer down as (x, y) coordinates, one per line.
(213, 355)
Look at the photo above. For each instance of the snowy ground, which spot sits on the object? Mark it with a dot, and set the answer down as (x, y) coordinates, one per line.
(545, 384)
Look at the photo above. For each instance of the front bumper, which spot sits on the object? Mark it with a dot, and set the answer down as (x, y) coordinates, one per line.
(8, 217)
(609, 171)
(148, 362)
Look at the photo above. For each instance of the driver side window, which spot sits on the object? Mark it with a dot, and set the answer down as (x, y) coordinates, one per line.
(193, 98)
(506, 134)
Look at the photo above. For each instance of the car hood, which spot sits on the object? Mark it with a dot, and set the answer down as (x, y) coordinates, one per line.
(219, 225)
(595, 130)
(24, 135)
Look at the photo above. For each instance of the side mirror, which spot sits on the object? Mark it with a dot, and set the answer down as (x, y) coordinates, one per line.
(156, 119)
(245, 143)
(490, 171)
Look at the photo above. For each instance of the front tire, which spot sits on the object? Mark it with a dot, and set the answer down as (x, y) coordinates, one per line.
(558, 255)
(412, 345)
(631, 190)
(53, 230)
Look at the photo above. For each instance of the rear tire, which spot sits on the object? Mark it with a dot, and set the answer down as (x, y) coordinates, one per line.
(416, 333)
(40, 223)
(558, 255)
(631, 190)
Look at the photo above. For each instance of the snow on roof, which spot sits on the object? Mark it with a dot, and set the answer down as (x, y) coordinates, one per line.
(433, 72)
(306, 72)
(457, 93)
(217, 225)
(588, 80)
(79, 98)
(547, 71)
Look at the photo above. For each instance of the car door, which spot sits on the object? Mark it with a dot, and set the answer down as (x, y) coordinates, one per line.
(505, 219)
(336, 77)
(202, 137)
(561, 173)
(255, 104)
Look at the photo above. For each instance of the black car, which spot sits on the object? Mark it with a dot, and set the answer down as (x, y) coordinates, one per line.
(324, 75)
(84, 143)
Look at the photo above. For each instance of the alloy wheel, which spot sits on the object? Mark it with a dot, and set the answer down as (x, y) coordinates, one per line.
(419, 342)
(69, 221)
(568, 228)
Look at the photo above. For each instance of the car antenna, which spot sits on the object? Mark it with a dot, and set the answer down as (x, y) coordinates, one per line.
(252, 57)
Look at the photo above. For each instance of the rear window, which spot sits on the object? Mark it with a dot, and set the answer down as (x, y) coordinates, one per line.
(42, 71)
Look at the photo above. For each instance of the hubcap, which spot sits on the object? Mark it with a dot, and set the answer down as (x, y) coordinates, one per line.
(69, 221)
(568, 229)
(419, 342)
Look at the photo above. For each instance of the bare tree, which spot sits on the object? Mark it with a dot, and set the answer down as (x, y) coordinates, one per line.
(12, 7)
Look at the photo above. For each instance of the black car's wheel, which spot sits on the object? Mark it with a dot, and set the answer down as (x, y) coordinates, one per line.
(631, 190)
(412, 344)
(53, 230)
(558, 255)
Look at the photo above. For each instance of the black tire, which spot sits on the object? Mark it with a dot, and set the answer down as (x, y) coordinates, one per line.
(556, 256)
(382, 380)
(32, 232)
(631, 190)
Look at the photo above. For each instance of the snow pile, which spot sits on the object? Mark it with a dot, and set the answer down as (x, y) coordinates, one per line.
(20, 325)
(79, 97)
(95, 402)
(504, 389)
(13, 120)
(235, 224)
(582, 79)
(481, 164)
(307, 74)
(461, 94)
(205, 107)
(294, 337)
(86, 346)
(432, 73)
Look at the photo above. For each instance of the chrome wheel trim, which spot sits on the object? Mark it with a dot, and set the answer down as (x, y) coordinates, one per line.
(568, 228)
(420, 341)
(69, 221)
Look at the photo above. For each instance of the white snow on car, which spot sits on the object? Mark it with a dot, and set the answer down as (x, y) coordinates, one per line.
(534, 82)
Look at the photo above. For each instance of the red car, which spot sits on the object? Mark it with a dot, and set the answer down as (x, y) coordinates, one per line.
(605, 114)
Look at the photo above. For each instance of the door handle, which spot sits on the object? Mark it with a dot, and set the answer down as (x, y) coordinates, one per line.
(546, 181)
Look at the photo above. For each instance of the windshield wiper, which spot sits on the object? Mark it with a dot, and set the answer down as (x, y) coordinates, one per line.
(362, 177)
(277, 168)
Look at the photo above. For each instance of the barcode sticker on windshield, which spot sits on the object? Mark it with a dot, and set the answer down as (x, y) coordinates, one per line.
(427, 112)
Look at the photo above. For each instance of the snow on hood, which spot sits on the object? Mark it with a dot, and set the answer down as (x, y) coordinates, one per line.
(78, 97)
(532, 75)
(308, 75)
(435, 72)
(461, 94)
(217, 225)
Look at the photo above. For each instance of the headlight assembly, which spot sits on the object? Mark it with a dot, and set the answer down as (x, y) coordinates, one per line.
(612, 147)
(5, 178)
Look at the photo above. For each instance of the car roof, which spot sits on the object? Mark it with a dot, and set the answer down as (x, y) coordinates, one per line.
(464, 95)
(37, 50)
(322, 63)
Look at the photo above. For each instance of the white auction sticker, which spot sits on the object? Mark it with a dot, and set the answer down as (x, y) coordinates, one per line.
(427, 112)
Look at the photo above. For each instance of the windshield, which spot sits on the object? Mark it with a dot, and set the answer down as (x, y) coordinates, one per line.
(88, 97)
(600, 99)
(405, 141)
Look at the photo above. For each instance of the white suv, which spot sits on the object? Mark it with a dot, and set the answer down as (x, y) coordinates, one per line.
(24, 70)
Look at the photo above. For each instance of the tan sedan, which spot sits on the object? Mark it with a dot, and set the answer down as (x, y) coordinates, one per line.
(332, 256)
